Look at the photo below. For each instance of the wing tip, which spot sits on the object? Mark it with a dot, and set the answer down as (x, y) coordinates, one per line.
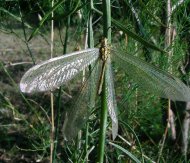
(23, 88)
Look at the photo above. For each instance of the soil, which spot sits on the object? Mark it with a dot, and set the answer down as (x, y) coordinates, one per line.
(17, 138)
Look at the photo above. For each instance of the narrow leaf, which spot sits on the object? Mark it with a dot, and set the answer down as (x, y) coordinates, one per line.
(135, 36)
(126, 152)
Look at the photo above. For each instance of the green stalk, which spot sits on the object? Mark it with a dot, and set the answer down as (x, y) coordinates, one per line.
(103, 124)
(107, 19)
(66, 34)
(90, 29)
(90, 45)
(104, 107)
(25, 37)
(58, 105)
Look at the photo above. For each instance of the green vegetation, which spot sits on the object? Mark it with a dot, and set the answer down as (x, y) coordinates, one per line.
(151, 129)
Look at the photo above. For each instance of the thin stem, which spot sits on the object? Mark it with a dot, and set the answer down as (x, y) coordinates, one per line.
(25, 37)
(103, 124)
(104, 108)
(90, 32)
(167, 44)
(58, 113)
(107, 19)
(90, 40)
(66, 34)
(58, 99)
(51, 98)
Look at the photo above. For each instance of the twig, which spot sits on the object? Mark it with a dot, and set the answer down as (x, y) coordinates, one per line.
(10, 64)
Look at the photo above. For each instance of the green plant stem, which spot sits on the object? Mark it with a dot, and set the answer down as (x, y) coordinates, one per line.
(90, 45)
(103, 124)
(25, 37)
(104, 108)
(57, 122)
(107, 19)
(66, 34)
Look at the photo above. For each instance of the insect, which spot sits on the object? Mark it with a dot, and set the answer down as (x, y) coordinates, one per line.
(55, 72)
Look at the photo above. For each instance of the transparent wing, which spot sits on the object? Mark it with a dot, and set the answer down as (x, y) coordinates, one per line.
(56, 71)
(94, 82)
(77, 115)
(152, 78)
(110, 99)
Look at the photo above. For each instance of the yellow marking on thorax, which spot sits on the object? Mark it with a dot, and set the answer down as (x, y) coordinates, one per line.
(104, 49)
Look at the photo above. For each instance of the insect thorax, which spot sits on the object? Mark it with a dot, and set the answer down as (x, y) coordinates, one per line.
(104, 49)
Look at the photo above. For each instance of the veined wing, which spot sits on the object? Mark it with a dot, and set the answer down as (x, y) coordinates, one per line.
(152, 78)
(76, 116)
(110, 98)
(54, 72)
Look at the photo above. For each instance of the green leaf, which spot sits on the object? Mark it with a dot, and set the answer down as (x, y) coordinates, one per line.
(135, 36)
(126, 152)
